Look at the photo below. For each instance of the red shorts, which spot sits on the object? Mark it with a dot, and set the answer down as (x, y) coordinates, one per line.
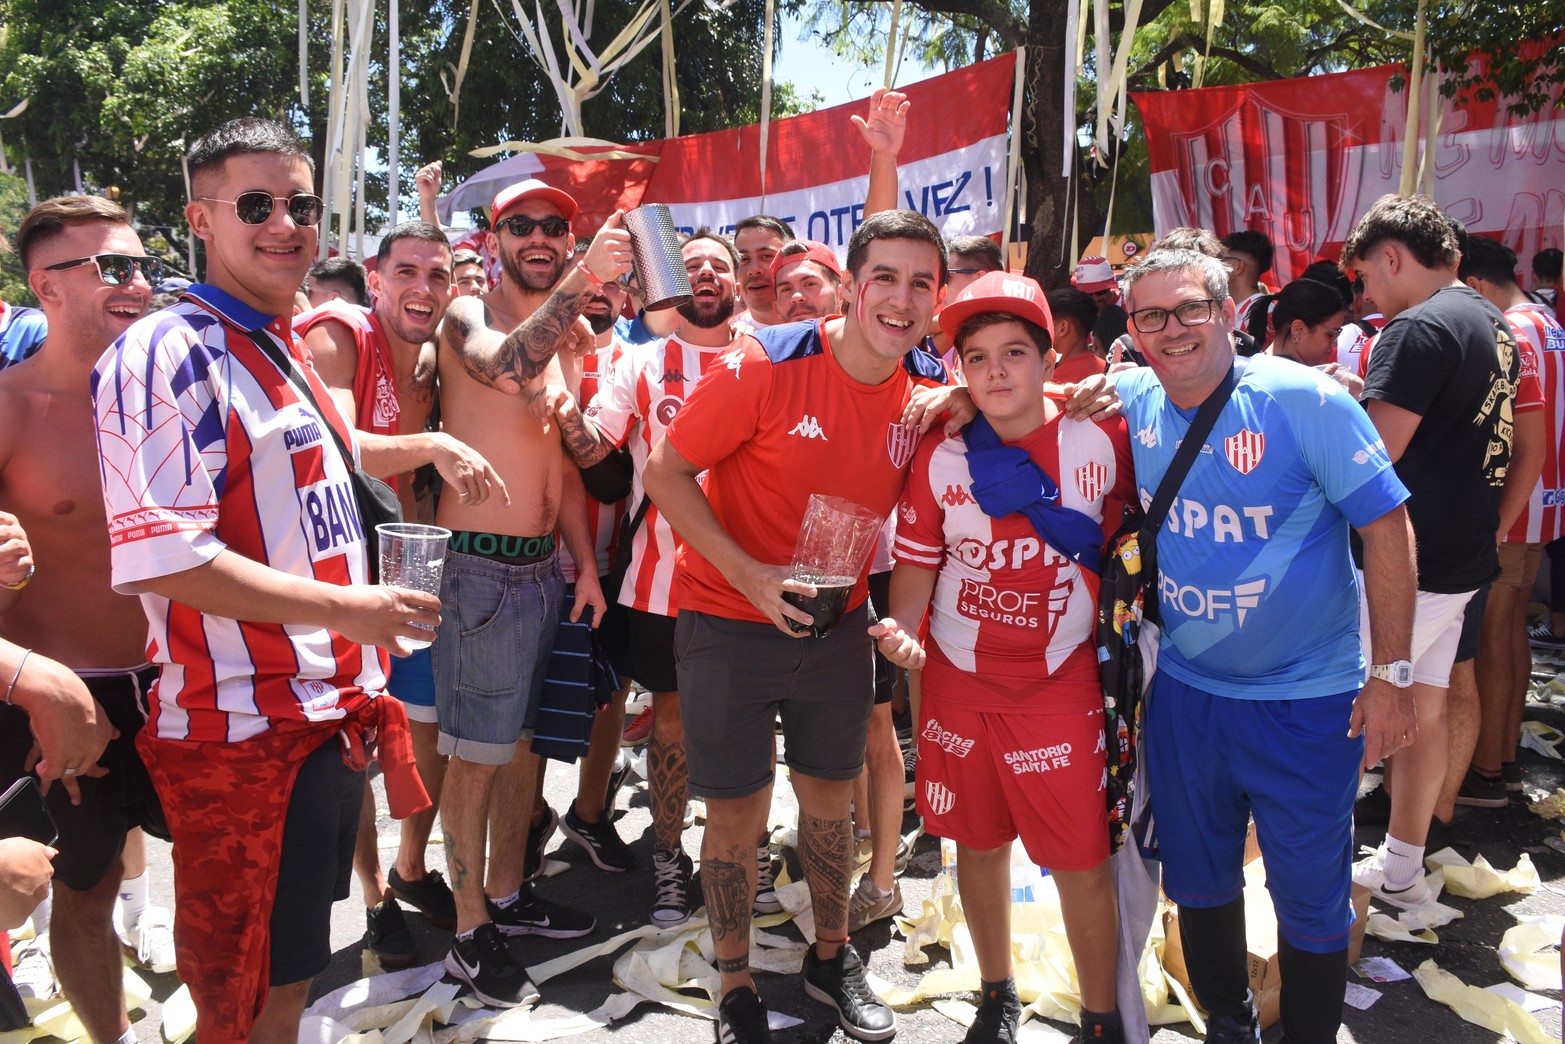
(986, 778)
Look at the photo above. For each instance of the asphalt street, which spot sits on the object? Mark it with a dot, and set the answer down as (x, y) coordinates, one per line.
(620, 902)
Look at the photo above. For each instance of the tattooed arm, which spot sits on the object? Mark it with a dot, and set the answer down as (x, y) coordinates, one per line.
(584, 443)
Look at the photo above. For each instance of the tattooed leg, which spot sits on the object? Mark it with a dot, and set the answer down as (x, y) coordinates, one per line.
(728, 881)
(464, 815)
(826, 853)
(667, 774)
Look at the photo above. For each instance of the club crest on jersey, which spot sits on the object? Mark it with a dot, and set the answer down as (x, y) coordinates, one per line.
(1091, 477)
(1244, 449)
(901, 444)
(939, 796)
(665, 409)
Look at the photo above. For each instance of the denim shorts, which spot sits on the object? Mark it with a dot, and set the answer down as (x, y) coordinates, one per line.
(497, 626)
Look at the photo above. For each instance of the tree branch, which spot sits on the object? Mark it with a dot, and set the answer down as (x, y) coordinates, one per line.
(992, 13)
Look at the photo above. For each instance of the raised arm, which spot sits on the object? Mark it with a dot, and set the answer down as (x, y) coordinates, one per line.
(427, 181)
(882, 130)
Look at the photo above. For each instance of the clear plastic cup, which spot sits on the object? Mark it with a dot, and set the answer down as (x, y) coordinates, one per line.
(412, 556)
(835, 543)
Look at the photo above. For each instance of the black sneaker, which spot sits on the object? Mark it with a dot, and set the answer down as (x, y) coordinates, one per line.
(387, 935)
(1225, 1029)
(672, 872)
(741, 1018)
(600, 841)
(531, 914)
(1511, 772)
(997, 1017)
(1108, 1030)
(1542, 636)
(485, 963)
(1481, 791)
(537, 840)
(429, 895)
(617, 780)
(766, 899)
(843, 983)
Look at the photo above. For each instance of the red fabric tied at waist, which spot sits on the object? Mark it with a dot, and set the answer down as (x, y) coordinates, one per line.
(385, 721)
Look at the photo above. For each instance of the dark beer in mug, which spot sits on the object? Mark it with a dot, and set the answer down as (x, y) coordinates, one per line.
(826, 606)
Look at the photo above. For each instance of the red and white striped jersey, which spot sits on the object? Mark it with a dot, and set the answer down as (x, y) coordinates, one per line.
(648, 389)
(1351, 342)
(374, 386)
(603, 520)
(1541, 340)
(1008, 609)
(205, 446)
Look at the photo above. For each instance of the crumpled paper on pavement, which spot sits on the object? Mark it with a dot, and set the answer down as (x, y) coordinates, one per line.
(1550, 807)
(1542, 738)
(1480, 1007)
(1529, 951)
(1478, 879)
(1390, 929)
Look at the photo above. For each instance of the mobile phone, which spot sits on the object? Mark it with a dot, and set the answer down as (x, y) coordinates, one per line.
(24, 814)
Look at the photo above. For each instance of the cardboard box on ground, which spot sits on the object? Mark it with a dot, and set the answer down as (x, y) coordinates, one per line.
(1261, 936)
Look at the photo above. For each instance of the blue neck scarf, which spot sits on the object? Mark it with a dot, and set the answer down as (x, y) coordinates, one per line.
(1007, 482)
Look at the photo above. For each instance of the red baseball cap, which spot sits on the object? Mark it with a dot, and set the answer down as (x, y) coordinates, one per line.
(998, 292)
(532, 188)
(815, 251)
(1094, 274)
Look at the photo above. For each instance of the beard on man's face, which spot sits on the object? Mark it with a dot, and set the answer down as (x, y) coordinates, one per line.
(707, 312)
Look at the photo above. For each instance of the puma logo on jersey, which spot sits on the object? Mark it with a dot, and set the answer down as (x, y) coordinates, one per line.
(809, 428)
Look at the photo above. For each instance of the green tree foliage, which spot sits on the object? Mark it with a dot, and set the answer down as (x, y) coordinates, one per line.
(13, 206)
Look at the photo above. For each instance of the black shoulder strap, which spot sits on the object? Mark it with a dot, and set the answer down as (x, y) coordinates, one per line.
(1205, 420)
(302, 386)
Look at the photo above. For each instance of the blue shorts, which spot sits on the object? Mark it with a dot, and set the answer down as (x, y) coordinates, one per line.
(1213, 761)
(412, 682)
(497, 624)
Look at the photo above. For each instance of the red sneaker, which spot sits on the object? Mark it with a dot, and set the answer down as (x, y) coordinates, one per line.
(637, 729)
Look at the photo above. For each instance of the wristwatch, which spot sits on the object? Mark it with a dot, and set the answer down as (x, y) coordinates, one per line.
(1397, 672)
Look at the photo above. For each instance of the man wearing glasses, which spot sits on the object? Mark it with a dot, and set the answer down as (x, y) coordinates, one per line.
(231, 513)
(502, 585)
(1257, 682)
(92, 280)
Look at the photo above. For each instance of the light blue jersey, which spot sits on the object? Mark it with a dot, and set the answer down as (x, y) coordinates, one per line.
(1256, 585)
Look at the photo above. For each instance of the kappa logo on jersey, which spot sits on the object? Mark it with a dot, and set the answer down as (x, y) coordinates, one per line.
(333, 518)
(955, 496)
(665, 409)
(809, 428)
(939, 797)
(733, 360)
(1091, 479)
(947, 740)
(1147, 437)
(1245, 449)
(673, 375)
(901, 444)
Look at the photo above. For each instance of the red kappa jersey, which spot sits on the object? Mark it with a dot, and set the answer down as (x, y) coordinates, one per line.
(1008, 609)
(603, 520)
(775, 421)
(374, 387)
(1541, 340)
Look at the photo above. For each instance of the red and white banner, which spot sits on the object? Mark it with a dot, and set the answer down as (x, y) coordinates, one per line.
(952, 169)
(1301, 160)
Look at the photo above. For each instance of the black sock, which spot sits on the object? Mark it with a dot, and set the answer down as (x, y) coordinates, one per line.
(1005, 989)
(1216, 957)
(1103, 1025)
(1313, 987)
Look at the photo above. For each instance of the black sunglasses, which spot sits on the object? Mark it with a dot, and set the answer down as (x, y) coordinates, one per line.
(117, 269)
(254, 208)
(553, 227)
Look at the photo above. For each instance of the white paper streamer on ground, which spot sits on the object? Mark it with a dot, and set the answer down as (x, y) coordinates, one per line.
(1389, 929)
(1537, 736)
(1528, 951)
(1479, 879)
(1480, 1007)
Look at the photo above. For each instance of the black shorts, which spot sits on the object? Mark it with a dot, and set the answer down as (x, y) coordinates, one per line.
(652, 651)
(886, 672)
(92, 834)
(316, 867)
(1472, 626)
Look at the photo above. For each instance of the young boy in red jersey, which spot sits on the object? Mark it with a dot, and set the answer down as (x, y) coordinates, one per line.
(998, 536)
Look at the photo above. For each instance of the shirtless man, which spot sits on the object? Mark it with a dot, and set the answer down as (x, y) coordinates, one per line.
(92, 280)
(502, 587)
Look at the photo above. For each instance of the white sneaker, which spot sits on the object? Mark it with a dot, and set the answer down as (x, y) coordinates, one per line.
(1372, 875)
(33, 975)
(151, 939)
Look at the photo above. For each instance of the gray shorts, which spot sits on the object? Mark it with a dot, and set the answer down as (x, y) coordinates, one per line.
(497, 624)
(736, 676)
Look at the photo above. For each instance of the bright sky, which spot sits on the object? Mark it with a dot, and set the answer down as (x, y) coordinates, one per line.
(812, 67)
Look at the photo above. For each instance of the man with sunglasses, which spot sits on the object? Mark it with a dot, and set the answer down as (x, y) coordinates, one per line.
(93, 280)
(502, 585)
(1258, 678)
(232, 514)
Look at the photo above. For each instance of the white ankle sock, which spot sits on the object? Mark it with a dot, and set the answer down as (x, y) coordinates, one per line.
(133, 900)
(128, 1037)
(41, 914)
(1403, 862)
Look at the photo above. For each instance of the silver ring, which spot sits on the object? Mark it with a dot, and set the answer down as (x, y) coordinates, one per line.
(71, 772)
(463, 493)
